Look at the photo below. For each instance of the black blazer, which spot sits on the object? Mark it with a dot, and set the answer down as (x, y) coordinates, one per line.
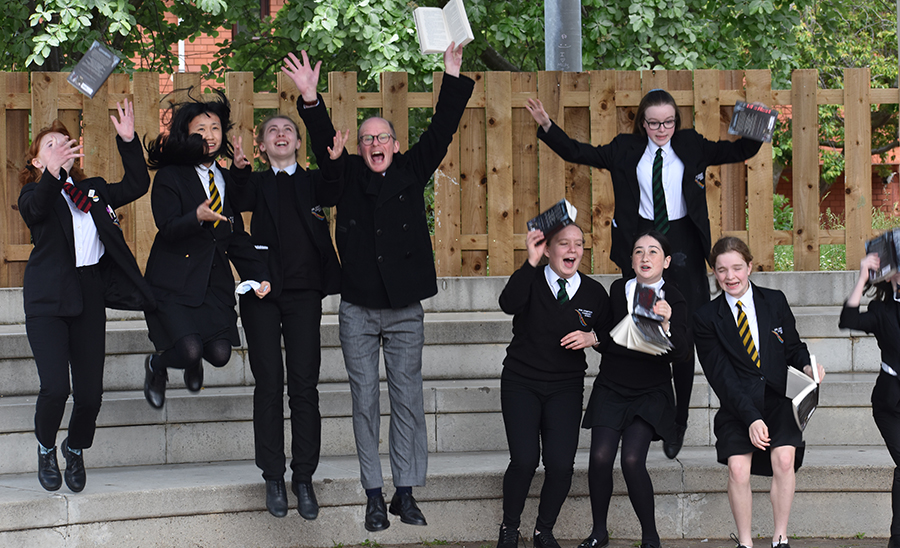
(738, 383)
(881, 319)
(51, 285)
(383, 239)
(184, 249)
(257, 192)
(621, 158)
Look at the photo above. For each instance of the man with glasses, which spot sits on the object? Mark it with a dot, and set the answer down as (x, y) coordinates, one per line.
(387, 269)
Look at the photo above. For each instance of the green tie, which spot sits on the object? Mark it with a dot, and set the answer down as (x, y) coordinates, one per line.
(216, 201)
(561, 296)
(746, 336)
(660, 213)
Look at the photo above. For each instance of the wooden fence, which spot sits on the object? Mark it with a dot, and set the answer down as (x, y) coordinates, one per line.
(496, 175)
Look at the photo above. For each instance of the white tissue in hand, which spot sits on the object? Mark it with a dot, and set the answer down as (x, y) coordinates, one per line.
(249, 285)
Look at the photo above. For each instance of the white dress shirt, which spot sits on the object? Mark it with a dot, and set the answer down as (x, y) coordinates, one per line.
(673, 173)
(88, 247)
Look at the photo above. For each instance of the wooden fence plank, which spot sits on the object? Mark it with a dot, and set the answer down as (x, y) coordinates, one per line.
(804, 126)
(447, 260)
(95, 136)
(526, 193)
(44, 92)
(343, 104)
(146, 120)
(13, 144)
(552, 175)
(858, 163)
(706, 112)
(287, 106)
(578, 177)
(499, 147)
(729, 177)
(239, 90)
(473, 183)
(759, 181)
(118, 85)
(603, 130)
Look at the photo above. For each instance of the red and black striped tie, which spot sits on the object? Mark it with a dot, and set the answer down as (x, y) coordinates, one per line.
(81, 201)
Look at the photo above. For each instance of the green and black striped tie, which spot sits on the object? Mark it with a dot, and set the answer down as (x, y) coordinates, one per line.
(660, 213)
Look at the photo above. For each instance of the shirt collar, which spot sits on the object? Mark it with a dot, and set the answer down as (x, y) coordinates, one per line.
(290, 170)
(746, 299)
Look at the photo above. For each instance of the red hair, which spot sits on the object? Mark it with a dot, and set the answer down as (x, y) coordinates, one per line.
(29, 173)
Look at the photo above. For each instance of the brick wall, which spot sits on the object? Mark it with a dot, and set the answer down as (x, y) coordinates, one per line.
(885, 195)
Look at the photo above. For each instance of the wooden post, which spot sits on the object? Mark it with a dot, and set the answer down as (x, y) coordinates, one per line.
(706, 122)
(526, 195)
(446, 203)
(14, 235)
(499, 148)
(145, 87)
(603, 130)
(806, 168)
(760, 203)
(578, 177)
(857, 164)
(552, 168)
(473, 182)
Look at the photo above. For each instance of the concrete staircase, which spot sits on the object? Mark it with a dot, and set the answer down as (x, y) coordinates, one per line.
(184, 475)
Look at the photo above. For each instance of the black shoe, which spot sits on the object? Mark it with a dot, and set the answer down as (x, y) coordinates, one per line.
(509, 537)
(594, 542)
(307, 505)
(154, 384)
(404, 505)
(649, 545)
(545, 540)
(376, 514)
(782, 544)
(193, 378)
(894, 541)
(737, 542)
(672, 447)
(76, 477)
(276, 497)
(48, 470)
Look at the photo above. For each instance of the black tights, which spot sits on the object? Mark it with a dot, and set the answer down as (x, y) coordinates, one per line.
(636, 440)
(188, 351)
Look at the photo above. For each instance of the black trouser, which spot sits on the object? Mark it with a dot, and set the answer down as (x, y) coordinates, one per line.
(296, 314)
(79, 342)
(542, 421)
(886, 410)
(687, 271)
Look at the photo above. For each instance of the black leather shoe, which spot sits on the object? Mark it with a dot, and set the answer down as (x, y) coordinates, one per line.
(193, 378)
(545, 540)
(276, 497)
(509, 537)
(376, 514)
(76, 477)
(48, 470)
(405, 506)
(154, 384)
(782, 544)
(672, 447)
(594, 542)
(737, 542)
(307, 505)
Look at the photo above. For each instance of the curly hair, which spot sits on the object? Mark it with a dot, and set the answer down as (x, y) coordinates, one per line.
(178, 146)
(29, 173)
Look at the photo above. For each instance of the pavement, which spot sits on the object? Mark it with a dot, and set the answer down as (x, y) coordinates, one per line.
(864, 542)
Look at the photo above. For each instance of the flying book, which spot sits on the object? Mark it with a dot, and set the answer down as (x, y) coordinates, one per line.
(887, 246)
(94, 68)
(754, 121)
(559, 216)
(642, 329)
(437, 27)
(803, 392)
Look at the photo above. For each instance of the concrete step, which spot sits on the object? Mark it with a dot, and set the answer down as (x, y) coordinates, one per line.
(462, 415)
(841, 492)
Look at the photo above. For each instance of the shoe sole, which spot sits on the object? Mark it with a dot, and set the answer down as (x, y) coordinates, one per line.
(375, 529)
(406, 521)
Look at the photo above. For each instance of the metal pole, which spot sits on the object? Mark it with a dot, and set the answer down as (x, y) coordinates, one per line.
(562, 35)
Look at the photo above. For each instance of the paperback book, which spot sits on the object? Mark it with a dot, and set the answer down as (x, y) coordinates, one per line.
(887, 246)
(753, 121)
(803, 392)
(437, 27)
(642, 329)
(94, 68)
(559, 216)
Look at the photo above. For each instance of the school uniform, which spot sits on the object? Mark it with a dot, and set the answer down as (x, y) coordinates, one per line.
(882, 319)
(80, 264)
(290, 231)
(542, 384)
(746, 392)
(689, 233)
(188, 267)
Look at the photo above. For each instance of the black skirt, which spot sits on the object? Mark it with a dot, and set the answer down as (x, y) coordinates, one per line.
(615, 406)
(212, 320)
(733, 436)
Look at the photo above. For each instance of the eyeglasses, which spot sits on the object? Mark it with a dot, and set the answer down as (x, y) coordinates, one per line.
(369, 139)
(654, 125)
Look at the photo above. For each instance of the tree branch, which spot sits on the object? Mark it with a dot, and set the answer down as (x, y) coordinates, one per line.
(494, 61)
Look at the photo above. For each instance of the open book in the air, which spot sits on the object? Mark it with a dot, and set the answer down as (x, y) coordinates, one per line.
(642, 329)
(887, 246)
(803, 392)
(754, 121)
(437, 27)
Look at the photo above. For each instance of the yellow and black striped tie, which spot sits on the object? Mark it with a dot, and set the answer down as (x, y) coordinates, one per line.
(746, 337)
(215, 203)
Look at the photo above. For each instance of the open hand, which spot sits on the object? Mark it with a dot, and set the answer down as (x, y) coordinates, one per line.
(335, 151)
(125, 123)
(303, 74)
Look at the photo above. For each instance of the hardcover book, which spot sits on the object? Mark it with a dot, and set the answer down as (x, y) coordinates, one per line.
(753, 121)
(94, 68)
(642, 329)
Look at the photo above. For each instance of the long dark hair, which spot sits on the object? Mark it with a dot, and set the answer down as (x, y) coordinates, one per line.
(178, 146)
(654, 98)
(656, 235)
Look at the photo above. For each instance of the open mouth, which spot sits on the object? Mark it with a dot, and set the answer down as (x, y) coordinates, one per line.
(569, 262)
(281, 143)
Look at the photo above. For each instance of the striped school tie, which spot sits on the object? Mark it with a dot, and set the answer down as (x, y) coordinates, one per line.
(78, 197)
(216, 201)
(746, 337)
(660, 213)
(562, 297)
